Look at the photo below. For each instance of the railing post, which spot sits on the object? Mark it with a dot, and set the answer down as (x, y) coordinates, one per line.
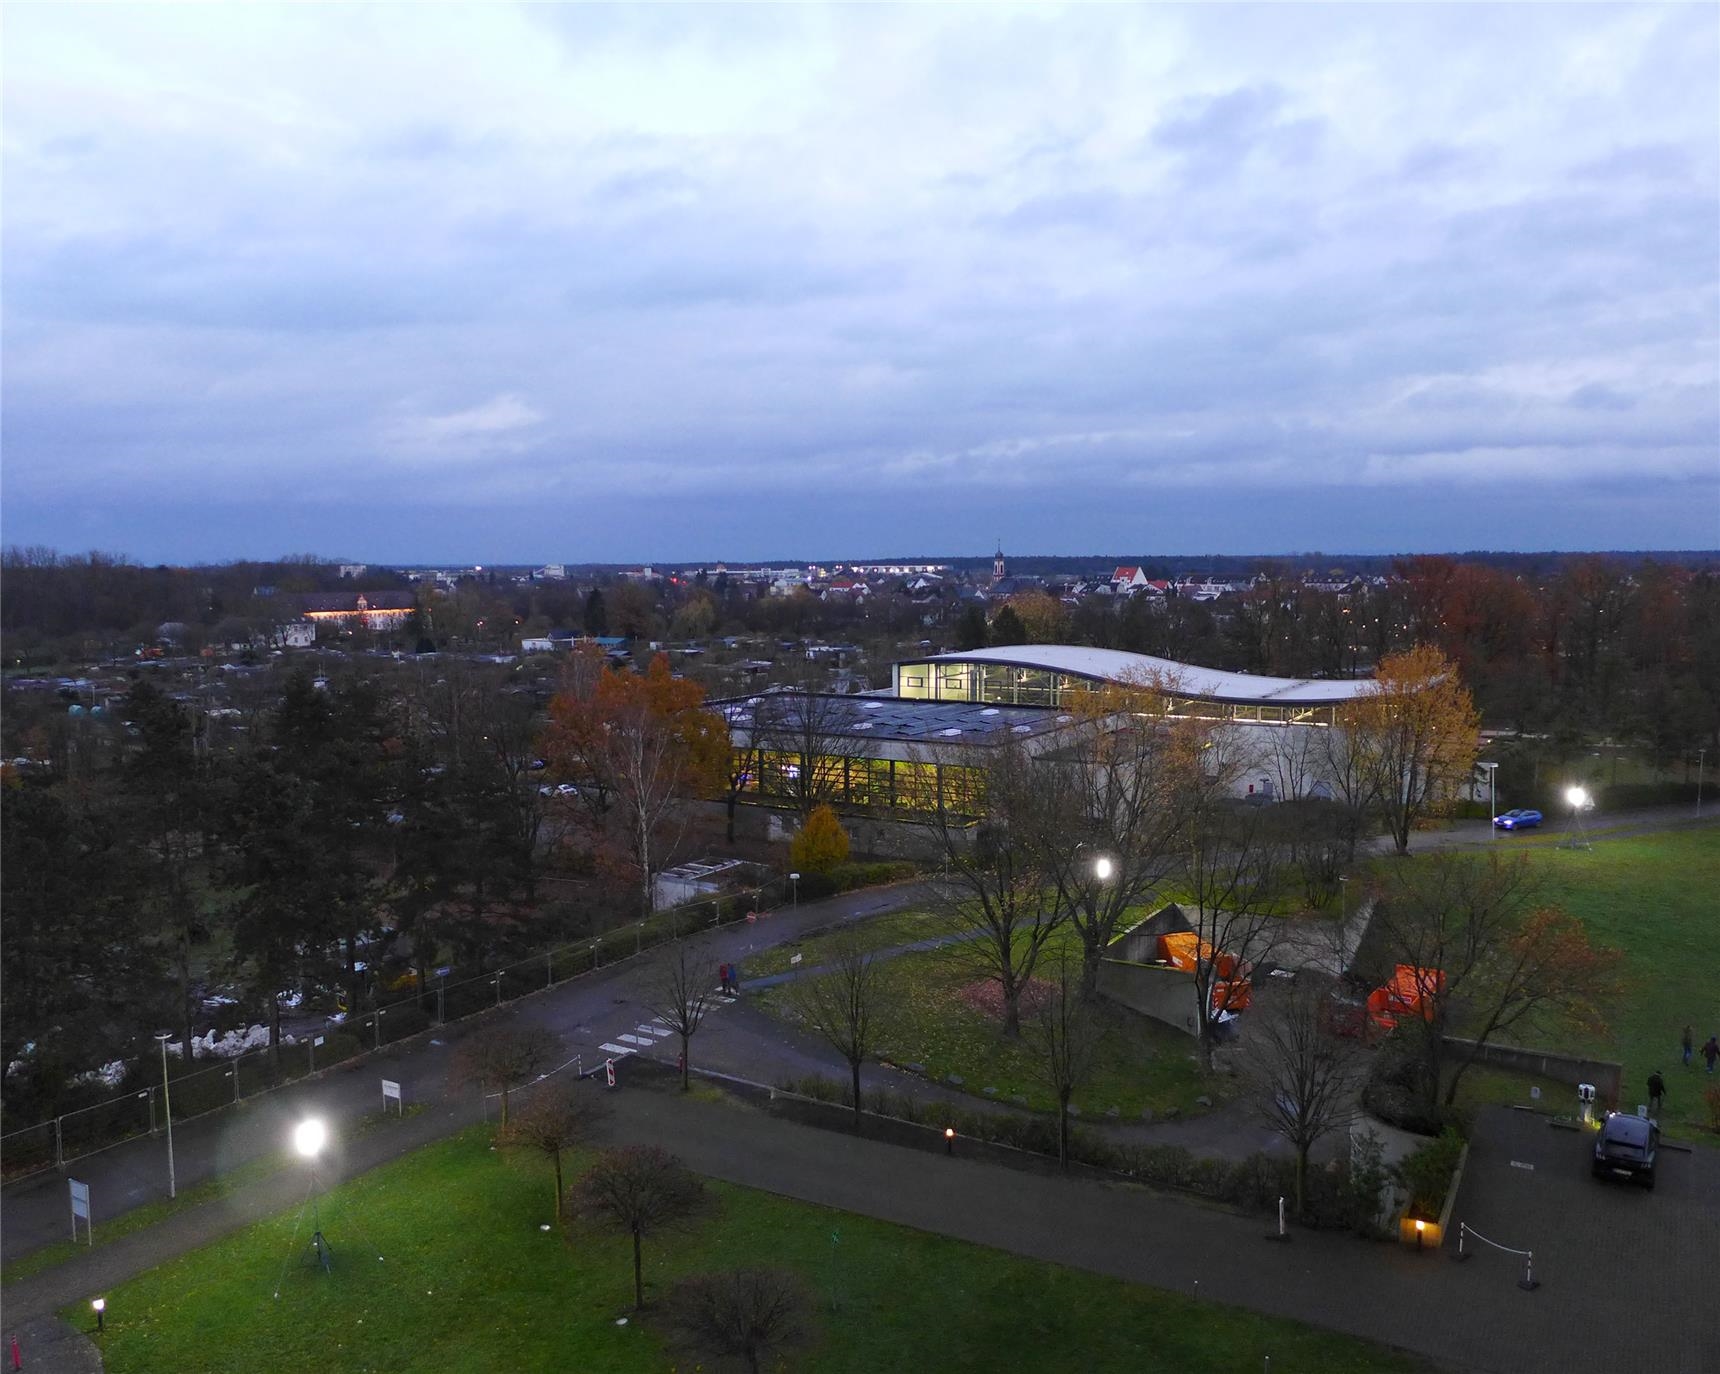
(151, 1093)
(59, 1144)
(498, 982)
(376, 1024)
(237, 1060)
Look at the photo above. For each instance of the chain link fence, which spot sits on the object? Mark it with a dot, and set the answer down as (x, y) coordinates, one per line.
(449, 996)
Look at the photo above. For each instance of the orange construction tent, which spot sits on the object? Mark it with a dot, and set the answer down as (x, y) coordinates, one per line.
(1184, 949)
(1411, 992)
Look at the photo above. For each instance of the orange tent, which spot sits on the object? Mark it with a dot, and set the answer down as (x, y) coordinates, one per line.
(1184, 949)
(1232, 994)
(1411, 992)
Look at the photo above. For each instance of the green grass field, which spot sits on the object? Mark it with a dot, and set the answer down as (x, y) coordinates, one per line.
(1141, 1063)
(1657, 897)
(468, 1282)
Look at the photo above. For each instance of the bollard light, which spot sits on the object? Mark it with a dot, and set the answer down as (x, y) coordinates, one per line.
(949, 1140)
(100, 1306)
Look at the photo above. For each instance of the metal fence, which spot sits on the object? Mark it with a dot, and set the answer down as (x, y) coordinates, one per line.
(134, 1109)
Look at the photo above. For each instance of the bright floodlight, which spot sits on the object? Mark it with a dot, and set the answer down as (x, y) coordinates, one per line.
(99, 1304)
(1102, 868)
(1577, 797)
(309, 1137)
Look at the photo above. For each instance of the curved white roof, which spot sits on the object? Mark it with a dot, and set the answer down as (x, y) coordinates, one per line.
(1114, 665)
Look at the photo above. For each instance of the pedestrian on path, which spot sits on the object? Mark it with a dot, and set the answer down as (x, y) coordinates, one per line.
(17, 1355)
(1656, 1092)
(1685, 1042)
(1711, 1052)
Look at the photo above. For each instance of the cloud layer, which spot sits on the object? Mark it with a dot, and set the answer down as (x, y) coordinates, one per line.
(653, 282)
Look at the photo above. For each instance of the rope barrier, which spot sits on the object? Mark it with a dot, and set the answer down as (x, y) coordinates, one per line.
(1528, 1283)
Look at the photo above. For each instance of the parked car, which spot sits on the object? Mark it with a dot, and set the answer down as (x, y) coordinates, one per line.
(1521, 819)
(1626, 1148)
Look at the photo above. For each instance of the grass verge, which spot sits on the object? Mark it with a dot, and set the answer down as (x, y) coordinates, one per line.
(468, 1282)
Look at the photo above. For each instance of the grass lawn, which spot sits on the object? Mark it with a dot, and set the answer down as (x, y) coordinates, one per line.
(468, 1282)
(1657, 897)
(876, 932)
(1141, 1063)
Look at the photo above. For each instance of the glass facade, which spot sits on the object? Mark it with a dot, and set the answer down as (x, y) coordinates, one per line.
(871, 784)
(1004, 685)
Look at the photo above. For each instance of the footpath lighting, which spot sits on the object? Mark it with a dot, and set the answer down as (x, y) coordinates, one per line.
(1578, 798)
(167, 1102)
(100, 1306)
(794, 890)
(1420, 1231)
(309, 1137)
(949, 1140)
(1103, 868)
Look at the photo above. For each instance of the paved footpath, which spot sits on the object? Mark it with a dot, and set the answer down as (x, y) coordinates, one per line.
(1469, 1317)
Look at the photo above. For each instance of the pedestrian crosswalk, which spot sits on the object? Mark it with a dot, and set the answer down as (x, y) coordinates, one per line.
(648, 1033)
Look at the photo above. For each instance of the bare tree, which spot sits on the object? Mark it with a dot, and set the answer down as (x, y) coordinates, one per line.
(551, 1123)
(746, 1313)
(641, 1189)
(1491, 959)
(683, 990)
(1231, 868)
(1116, 797)
(997, 889)
(504, 1057)
(842, 1005)
(1064, 1034)
(1305, 1076)
(807, 737)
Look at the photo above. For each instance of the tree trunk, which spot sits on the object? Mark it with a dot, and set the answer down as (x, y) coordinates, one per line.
(185, 990)
(1063, 1129)
(638, 1275)
(854, 1066)
(686, 1062)
(274, 1035)
(504, 1105)
(1092, 955)
(734, 799)
(557, 1155)
(1301, 1177)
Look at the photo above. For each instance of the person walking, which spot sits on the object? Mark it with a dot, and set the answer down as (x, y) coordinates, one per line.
(17, 1354)
(1656, 1092)
(1711, 1052)
(1686, 1043)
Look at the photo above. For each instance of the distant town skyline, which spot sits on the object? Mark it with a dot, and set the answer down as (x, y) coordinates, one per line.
(662, 284)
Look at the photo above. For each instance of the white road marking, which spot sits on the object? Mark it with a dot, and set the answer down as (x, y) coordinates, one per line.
(652, 1030)
(616, 1050)
(635, 1040)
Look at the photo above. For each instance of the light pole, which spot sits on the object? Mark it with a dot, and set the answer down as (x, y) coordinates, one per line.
(1578, 798)
(1701, 758)
(309, 1136)
(1343, 899)
(794, 891)
(1492, 794)
(167, 1102)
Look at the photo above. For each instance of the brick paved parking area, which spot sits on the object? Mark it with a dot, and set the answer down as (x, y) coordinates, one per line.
(1630, 1273)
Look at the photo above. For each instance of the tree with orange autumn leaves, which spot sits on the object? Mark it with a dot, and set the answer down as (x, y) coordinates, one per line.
(1408, 743)
(638, 746)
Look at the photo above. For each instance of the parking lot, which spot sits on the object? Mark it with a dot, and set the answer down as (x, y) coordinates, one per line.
(1631, 1271)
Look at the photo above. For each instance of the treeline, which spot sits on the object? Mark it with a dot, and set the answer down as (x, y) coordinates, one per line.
(351, 837)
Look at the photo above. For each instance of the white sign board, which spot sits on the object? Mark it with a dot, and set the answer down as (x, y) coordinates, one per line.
(81, 1208)
(391, 1093)
(317, 1041)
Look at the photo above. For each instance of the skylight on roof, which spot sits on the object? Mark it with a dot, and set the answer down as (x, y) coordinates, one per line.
(991, 711)
(950, 732)
(871, 706)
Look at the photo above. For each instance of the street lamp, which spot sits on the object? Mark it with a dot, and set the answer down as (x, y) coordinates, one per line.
(1103, 868)
(167, 1102)
(1492, 793)
(794, 890)
(309, 1137)
(1578, 797)
(1344, 899)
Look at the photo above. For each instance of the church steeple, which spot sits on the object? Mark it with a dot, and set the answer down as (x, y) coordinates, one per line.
(998, 571)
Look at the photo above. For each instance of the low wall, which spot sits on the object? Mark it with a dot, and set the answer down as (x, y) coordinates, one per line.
(1140, 944)
(1165, 994)
(1607, 1076)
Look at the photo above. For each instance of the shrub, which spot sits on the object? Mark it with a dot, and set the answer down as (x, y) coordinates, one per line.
(821, 844)
(1426, 1174)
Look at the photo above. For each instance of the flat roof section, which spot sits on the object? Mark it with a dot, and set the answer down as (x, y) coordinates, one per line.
(1114, 665)
(923, 722)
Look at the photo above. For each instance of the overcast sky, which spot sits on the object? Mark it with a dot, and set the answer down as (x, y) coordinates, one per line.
(653, 283)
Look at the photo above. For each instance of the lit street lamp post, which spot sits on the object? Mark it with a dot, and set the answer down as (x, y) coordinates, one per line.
(309, 1136)
(1578, 798)
(167, 1103)
(1492, 795)
(794, 891)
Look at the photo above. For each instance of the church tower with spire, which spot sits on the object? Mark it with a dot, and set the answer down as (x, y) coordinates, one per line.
(998, 571)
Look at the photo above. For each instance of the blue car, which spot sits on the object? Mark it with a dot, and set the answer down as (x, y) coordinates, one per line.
(1520, 819)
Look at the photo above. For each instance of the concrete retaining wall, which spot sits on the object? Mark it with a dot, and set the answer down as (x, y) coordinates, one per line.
(1607, 1076)
(1165, 994)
